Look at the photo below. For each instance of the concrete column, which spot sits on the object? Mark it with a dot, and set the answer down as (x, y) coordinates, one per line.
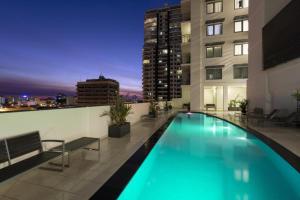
(225, 94)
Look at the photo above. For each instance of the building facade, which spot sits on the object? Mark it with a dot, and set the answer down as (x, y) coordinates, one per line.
(219, 52)
(94, 92)
(272, 87)
(162, 74)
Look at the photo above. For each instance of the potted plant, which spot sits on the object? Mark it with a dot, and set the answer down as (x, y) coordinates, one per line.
(233, 104)
(296, 95)
(152, 109)
(118, 113)
(243, 106)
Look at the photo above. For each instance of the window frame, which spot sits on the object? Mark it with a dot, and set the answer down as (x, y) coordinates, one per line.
(242, 25)
(214, 68)
(214, 6)
(213, 47)
(239, 66)
(242, 48)
(214, 24)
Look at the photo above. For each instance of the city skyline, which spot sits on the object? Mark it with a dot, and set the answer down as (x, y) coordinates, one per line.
(68, 42)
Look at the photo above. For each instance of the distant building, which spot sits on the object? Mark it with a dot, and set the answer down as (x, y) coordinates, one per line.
(101, 91)
(61, 99)
(70, 101)
(2, 100)
(162, 73)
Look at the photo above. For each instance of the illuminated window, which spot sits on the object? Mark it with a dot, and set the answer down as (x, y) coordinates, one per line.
(213, 51)
(214, 7)
(165, 51)
(241, 49)
(241, 25)
(238, 4)
(214, 29)
(146, 61)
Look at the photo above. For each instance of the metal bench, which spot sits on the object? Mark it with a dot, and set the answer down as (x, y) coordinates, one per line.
(14, 147)
(11, 148)
(80, 143)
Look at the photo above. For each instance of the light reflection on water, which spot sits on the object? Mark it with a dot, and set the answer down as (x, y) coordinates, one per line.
(201, 157)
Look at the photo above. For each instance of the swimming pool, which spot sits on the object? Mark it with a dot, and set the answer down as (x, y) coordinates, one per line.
(203, 157)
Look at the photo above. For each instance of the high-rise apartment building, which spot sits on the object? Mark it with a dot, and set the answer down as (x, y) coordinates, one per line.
(162, 73)
(101, 91)
(218, 50)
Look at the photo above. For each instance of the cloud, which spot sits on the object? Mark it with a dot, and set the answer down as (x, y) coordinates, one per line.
(23, 85)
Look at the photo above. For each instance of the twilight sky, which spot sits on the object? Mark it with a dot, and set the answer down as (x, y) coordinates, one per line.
(46, 46)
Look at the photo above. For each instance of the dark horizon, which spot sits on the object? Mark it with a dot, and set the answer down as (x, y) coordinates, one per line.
(47, 47)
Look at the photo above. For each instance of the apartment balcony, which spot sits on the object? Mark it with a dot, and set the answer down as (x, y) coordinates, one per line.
(186, 39)
(88, 170)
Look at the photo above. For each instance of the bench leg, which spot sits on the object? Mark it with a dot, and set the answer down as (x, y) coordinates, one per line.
(93, 149)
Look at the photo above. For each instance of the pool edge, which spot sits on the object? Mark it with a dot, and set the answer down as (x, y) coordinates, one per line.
(282, 151)
(113, 187)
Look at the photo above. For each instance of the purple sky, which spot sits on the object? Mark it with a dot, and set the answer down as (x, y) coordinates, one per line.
(47, 46)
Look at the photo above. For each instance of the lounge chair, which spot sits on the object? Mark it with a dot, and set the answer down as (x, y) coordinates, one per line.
(259, 116)
(288, 120)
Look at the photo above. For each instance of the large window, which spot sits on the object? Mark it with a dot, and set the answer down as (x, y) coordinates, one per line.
(240, 71)
(214, 29)
(214, 73)
(241, 25)
(238, 4)
(241, 49)
(213, 51)
(214, 7)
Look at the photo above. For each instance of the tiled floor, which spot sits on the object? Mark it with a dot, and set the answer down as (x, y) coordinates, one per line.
(87, 173)
(289, 137)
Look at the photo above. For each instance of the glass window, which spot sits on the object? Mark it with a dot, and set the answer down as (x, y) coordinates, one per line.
(241, 26)
(214, 29)
(213, 51)
(210, 8)
(209, 52)
(238, 26)
(241, 49)
(245, 49)
(237, 49)
(210, 30)
(214, 74)
(245, 25)
(246, 3)
(241, 4)
(218, 51)
(218, 29)
(214, 7)
(218, 6)
(240, 72)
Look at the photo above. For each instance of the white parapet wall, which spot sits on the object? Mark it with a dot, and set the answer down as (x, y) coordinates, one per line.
(64, 124)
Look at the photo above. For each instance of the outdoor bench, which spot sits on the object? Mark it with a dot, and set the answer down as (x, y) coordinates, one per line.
(17, 146)
(211, 106)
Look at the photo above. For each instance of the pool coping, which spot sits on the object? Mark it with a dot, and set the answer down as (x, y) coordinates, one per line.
(114, 186)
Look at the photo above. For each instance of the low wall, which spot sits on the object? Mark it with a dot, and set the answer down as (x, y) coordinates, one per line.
(64, 124)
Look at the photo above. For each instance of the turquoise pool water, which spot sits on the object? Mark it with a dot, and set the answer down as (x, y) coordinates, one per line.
(203, 157)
